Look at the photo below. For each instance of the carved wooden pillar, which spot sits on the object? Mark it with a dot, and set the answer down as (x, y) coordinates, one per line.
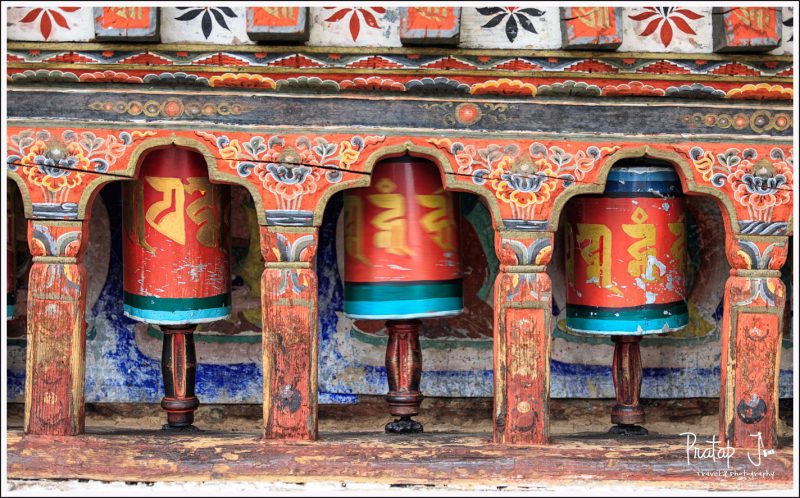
(289, 338)
(56, 351)
(522, 307)
(751, 338)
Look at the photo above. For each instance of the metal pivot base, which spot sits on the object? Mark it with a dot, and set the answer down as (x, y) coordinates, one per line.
(403, 371)
(178, 368)
(627, 430)
(628, 412)
(404, 425)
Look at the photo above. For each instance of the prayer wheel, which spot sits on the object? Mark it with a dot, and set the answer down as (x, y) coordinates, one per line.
(11, 260)
(176, 264)
(402, 264)
(625, 263)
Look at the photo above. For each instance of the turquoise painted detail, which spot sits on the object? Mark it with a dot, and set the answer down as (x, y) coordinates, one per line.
(416, 308)
(595, 326)
(10, 309)
(178, 317)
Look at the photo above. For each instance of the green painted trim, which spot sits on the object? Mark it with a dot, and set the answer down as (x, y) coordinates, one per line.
(626, 314)
(399, 291)
(154, 303)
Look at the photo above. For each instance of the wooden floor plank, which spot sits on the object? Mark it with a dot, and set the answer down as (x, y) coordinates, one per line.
(434, 458)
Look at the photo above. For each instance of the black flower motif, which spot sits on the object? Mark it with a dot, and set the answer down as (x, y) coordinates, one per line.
(219, 14)
(514, 16)
(789, 23)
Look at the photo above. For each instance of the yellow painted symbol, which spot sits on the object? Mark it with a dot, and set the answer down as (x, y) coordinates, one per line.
(166, 215)
(598, 18)
(643, 250)
(354, 228)
(439, 222)
(391, 223)
(127, 12)
(597, 254)
(204, 211)
(678, 248)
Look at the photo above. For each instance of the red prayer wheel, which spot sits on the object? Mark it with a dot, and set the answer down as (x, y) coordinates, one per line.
(401, 245)
(177, 248)
(402, 264)
(176, 255)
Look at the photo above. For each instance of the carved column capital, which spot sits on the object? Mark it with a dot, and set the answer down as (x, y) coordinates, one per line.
(288, 247)
(757, 255)
(523, 251)
(54, 241)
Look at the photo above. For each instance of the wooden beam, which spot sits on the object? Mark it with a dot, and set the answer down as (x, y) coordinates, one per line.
(437, 458)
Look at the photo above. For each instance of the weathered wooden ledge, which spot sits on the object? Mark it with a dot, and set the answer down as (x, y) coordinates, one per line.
(435, 458)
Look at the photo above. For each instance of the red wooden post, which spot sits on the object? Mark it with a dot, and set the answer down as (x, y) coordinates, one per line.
(751, 337)
(522, 308)
(404, 371)
(289, 339)
(56, 352)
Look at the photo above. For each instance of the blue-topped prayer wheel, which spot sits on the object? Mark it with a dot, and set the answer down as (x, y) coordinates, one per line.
(402, 264)
(625, 264)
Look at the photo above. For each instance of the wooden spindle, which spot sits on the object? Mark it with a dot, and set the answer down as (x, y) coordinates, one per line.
(404, 370)
(179, 368)
(626, 369)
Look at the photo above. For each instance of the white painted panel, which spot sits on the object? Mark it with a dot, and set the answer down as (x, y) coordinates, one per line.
(217, 25)
(363, 26)
(505, 27)
(50, 23)
(667, 29)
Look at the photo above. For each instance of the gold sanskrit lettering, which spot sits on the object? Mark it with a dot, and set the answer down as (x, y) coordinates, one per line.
(593, 17)
(205, 211)
(643, 251)
(439, 223)
(391, 223)
(134, 221)
(167, 215)
(594, 243)
(678, 249)
(354, 228)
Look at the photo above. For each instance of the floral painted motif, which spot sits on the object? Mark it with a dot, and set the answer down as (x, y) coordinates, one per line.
(513, 16)
(58, 165)
(524, 180)
(665, 20)
(291, 171)
(760, 185)
(46, 18)
(219, 14)
(356, 14)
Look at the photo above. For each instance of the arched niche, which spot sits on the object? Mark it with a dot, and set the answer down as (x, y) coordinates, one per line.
(653, 152)
(450, 179)
(139, 154)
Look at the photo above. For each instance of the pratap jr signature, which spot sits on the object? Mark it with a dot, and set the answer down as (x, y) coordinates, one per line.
(716, 451)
